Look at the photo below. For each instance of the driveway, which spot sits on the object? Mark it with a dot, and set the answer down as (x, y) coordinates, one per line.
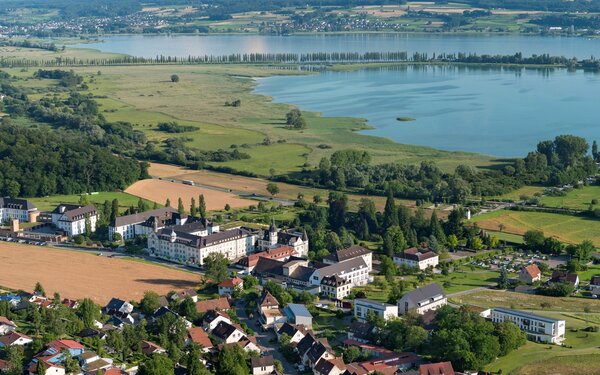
(267, 340)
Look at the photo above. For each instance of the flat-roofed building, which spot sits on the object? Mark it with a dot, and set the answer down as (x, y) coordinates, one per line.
(538, 328)
(362, 307)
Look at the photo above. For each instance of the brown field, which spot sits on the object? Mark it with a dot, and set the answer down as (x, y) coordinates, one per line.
(159, 190)
(77, 275)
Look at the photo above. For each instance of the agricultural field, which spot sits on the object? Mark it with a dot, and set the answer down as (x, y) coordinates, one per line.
(160, 190)
(125, 200)
(584, 364)
(566, 228)
(577, 199)
(77, 275)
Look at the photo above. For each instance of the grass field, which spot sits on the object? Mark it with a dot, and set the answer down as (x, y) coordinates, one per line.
(566, 228)
(516, 195)
(585, 364)
(125, 200)
(578, 199)
(76, 274)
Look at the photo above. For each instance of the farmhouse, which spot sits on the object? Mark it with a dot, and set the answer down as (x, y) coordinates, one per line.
(351, 253)
(362, 308)
(530, 274)
(420, 258)
(538, 328)
(142, 223)
(72, 219)
(427, 298)
(17, 209)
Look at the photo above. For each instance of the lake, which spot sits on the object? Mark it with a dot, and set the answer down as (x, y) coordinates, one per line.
(502, 112)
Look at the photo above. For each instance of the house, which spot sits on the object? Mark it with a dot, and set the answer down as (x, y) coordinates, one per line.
(268, 301)
(14, 338)
(530, 274)
(295, 332)
(198, 336)
(335, 287)
(281, 253)
(212, 318)
(116, 305)
(70, 303)
(565, 277)
(227, 287)
(249, 344)
(58, 346)
(441, 368)
(142, 223)
(595, 286)
(311, 350)
(421, 258)
(274, 238)
(298, 314)
(270, 314)
(149, 348)
(220, 304)
(362, 308)
(361, 331)
(370, 367)
(263, 365)
(333, 366)
(6, 325)
(183, 244)
(92, 363)
(351, 253)
(51, 369)
(293, 273)
(228, 333)
(17, 209)
(538, 328)
(54, 354)
(355, 270)
(72, 218)
(162, 311)
(191, 293)
(423, 299)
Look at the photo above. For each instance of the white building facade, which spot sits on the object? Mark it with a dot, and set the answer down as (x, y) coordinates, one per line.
(538, 328)
(17, 209)
(362, 307)
(72, 218)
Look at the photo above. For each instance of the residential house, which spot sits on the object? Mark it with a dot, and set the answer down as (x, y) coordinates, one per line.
(17, 209)
(51, 369)
(361, 331)
(263, 365)
(441, 368)
(219, 304)
(142, 223)
(270, 314)
(565, 277)
(70, 303)
(281, 253)
(228, 333)
(362, 308)
(298, 314)
(311, 350)
(295, 332)
(72, 218)
(335, 287)
(421, 258)
(198, 336)
(149, 348)
(6, 325)
(351, 253)
(116, 305)
(227, 287)
(92, 363)
(530, 274)
(538, 328)
(188, 293)
(14, 338)
(595, 286)
(333, 366)
(274, 238)
(212, 318)
(423, 299)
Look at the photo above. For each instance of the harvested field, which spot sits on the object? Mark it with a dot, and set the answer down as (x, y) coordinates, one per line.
(76, 274)
(159, 190)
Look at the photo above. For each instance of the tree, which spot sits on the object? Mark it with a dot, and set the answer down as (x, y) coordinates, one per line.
(88, 226)
(180, 207)
(338, 207)
(39, 289)
(174, 78)
(142, 205)
(232, 361)
(227, 207)
(168, 203)
(157, 364)
(194, 367)
(503, 280)
(534, 240)
(187, 308)
(393, 241)
(435, 228)
(294, 119)
(193, 209)
(114, 210)
(272, 188)
(14, 358)
(150, 302)
(216, 265)
(552, 246)
(88, 312)
(351, 354)
(333, 242)
(390, 212)
(202, 206)
(510, 337)
(595, 153)
(83, 200)
(41, 368)
(452, 241)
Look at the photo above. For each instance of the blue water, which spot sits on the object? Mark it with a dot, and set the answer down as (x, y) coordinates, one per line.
(496, 112)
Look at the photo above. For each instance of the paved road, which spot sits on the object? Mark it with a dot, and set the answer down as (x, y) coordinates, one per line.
(267, 340)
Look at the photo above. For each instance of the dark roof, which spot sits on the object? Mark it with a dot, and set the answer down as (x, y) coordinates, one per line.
(75, 212)
(302, 273)
(361, 330)
(164, 212)
(291, 329)
(425, 293)
(17, 204)
(595, 280)
(334, 280)
(348, 253)
(202, 241)
(345, 266)
(564, 277)
(223, 330)
(263, 361)
(211, 315)
(114, 304)
(417, 255)
(306, 343)
(324, 366)
(163, 310)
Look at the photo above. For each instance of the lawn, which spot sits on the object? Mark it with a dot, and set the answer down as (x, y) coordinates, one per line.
(578, 199)
(566, 228)
(125, 200)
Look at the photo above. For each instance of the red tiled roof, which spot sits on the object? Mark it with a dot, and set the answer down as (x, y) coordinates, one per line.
(12, 337)
(441, 368)
(200, 337)
(64, 344)
(533, 270)
(231, 283)
(213, 304)
(268, 300)
(3, 365)
(5, 321)
(150, 347)
(277, 253)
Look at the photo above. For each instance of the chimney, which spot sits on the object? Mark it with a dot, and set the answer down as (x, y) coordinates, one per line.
(14, 225)
(62, 209)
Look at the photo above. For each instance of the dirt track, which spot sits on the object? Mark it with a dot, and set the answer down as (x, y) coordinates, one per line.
(77, 275)
(159, 190)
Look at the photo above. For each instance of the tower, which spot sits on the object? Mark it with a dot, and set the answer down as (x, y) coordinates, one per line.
(273, 233)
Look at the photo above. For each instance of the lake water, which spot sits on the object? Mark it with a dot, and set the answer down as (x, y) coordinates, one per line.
(500, 112)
